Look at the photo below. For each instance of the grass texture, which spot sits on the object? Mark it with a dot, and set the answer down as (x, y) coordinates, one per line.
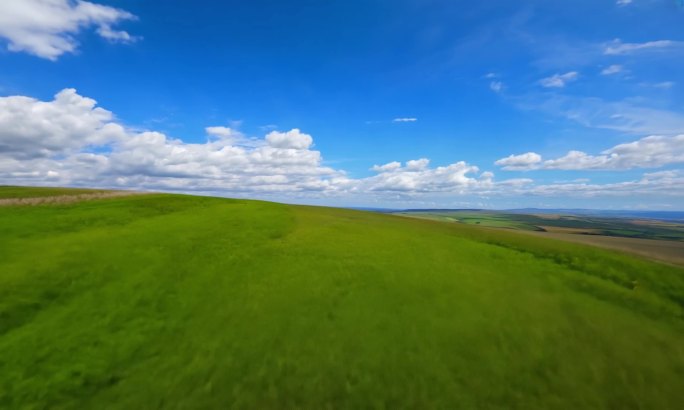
(181, 302)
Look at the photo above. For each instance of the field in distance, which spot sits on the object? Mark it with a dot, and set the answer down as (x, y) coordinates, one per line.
(652, 238)
(173, 301)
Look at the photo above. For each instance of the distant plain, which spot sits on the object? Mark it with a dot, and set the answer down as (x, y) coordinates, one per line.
(652, 238)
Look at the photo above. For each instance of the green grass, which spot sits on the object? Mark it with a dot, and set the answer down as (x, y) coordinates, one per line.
(487, 219)
(168, 301)
(497, 223)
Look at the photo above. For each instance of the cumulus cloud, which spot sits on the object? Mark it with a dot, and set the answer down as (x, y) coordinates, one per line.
(293, 139)
(417, 164)
(526, 161)
(387, 167)
(46, 28)
(31, 128)
(617, 47)
(223, 132)
(416, 176)
(559, 80)
(649, 152)
(71, 141)
(231, 136)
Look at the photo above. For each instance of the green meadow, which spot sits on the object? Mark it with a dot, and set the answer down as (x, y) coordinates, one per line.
(182, 302)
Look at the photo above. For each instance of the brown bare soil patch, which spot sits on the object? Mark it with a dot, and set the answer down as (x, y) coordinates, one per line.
(657, 223)
(547, 216)
(64, 199)
(664, 251)
(576, 231)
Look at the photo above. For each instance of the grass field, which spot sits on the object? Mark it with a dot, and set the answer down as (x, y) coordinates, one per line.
(487, 219)
(169, 301)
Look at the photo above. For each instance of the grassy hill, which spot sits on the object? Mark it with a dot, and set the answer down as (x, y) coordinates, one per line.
(170, 301)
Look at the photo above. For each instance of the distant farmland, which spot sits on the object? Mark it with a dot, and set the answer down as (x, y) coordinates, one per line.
(173, 301)
(659, 240)
(665, 251)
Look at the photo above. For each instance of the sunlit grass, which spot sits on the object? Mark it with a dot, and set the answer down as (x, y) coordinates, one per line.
(166, 301)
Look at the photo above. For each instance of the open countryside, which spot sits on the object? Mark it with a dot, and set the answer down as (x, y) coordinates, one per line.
(651, 238)
(339, 204)
(162, 301)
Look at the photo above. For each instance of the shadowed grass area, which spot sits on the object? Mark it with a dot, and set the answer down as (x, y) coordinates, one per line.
(169, 301)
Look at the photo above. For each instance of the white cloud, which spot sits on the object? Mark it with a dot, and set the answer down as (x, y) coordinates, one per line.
(116, 36)
(223, 132)
(405, 119)
(496, 86)
(293, 139)
(417, 164)
(70, 141)
(617, 47)
(613, 69)
(54, 142)
(51, 142)
(650, 185)
(661, 174)
(30, 128)
(559, 80)
(46, 28)
(516, 182)
(648, 152)
(623, 2)
(391, 166)
(417, 177)
(526, 161)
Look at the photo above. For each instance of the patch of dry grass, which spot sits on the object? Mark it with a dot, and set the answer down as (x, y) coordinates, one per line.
(64, 199)
(575, 231)
(663, 251)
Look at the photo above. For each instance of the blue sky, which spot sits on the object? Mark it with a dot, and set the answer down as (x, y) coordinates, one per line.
(494, 95)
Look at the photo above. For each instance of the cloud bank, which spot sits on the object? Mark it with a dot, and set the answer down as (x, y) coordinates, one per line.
(70, 141)
(650, 152)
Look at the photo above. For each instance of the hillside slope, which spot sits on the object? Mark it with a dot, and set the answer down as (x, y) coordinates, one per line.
(170, 301)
